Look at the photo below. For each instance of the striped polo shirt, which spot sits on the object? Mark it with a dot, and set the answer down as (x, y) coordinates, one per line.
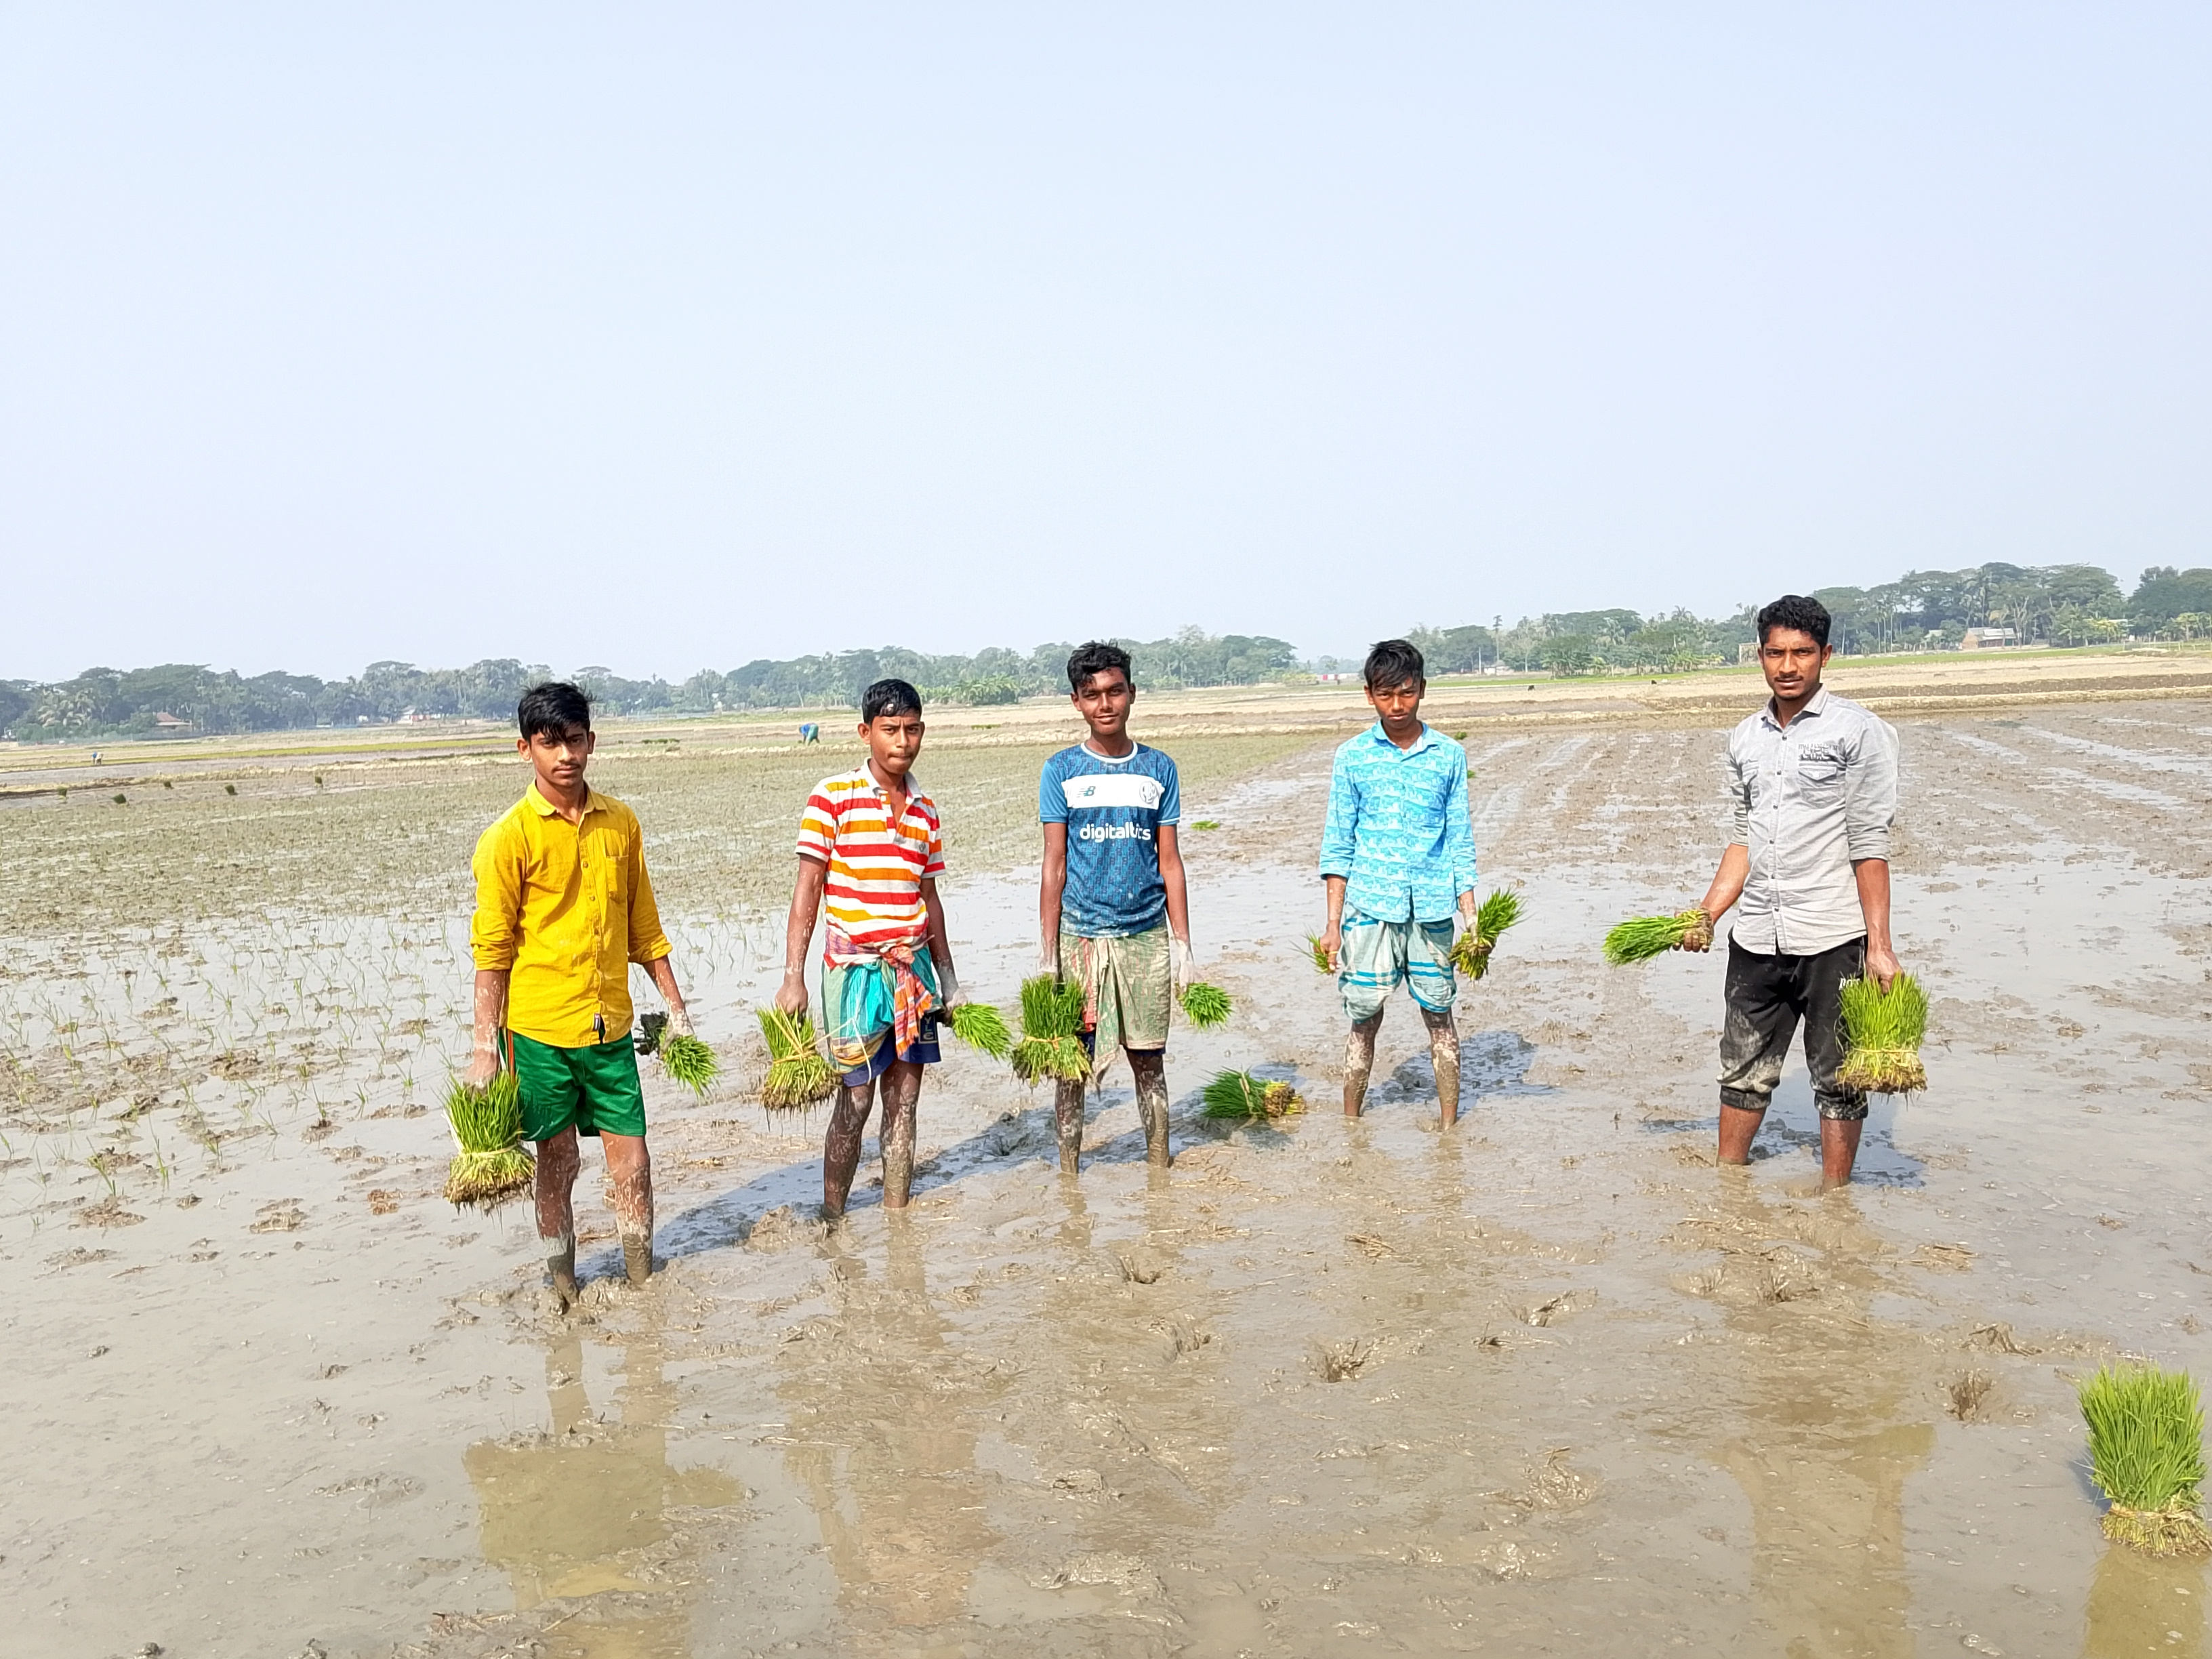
(874, 891)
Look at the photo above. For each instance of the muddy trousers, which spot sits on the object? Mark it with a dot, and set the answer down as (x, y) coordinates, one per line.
(1767, 996)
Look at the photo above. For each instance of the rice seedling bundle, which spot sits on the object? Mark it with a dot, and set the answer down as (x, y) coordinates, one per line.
(689, 1062)
(1240, 1096)
(980, 1025)
(490, 1166)
(1052, 1032)
(1320, 954)
(1641, 937)
(798, 1076)
(1882, 1034)
(1471, 949)
(2146, 1453)
(1207, 1005)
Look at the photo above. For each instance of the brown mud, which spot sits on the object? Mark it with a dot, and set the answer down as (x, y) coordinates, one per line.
(1551, 1383)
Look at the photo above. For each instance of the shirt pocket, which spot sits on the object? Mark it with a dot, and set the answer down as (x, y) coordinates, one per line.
(1820, 777)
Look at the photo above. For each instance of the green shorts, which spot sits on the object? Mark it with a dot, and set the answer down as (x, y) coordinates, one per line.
(593, 1089)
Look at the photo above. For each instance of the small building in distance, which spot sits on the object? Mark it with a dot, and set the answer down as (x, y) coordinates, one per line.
(165, 721)
(1988, 639)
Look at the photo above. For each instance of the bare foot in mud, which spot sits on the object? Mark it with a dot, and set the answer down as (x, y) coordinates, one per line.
(637, 1259)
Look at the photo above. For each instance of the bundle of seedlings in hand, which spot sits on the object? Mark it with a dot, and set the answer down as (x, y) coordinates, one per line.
(2147, 1452)
(1320, 961)
(1052, 1032)
(689, 1062)
(798, 1076)
(1883, 1032)
(1470, 951)
(1641, 937)
(1242, 1096)
(1205, 1005)
(491, 1166)
(980, 1025)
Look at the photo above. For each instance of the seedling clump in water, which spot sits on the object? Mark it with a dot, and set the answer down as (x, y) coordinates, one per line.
(1239, 1095)
(2146, 1453)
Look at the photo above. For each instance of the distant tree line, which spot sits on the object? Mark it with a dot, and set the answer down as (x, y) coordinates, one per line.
(1922, 610)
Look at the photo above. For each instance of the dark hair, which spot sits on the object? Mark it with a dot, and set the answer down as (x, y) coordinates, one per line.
(889, 697)
(1097, 657)
(1392, 663)
(554, 707)
(1796, 610)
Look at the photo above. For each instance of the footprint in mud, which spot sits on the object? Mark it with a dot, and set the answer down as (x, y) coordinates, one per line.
(1339, 1362)
(1490, 1063)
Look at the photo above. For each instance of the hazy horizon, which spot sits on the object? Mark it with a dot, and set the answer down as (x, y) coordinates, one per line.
(684, 336)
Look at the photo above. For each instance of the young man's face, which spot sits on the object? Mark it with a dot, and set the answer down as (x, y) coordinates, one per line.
(1399, 705)
(893, 741)
(1792, 660)
(1105, 701)
(558, 757)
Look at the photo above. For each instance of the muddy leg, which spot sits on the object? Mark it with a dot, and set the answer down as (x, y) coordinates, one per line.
(1443, 1058)
(1739, 1125)
(557, 1218)
(1840, 1149)
(1067, 1118)
(629, 1171)
(1358, 1061)
(902, 1095)
(1150, 1068)
(841, 1147)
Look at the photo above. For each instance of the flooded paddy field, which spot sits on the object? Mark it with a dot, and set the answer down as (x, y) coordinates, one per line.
(1552, 1382)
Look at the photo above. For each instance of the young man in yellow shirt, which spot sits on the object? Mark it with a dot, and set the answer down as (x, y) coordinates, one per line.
(563, 907)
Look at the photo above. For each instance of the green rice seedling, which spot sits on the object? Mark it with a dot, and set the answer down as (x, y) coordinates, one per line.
(2146, 1453)
(1240, 1096)
(1052, 1032)
(980, 1026)
(689, 1062)
(797, 1075)
(1207, 823)
(1207, 1005)
(1883, 1034)
(1320, 954)
(1641, 937)
(1471, 951)
(491, 1165)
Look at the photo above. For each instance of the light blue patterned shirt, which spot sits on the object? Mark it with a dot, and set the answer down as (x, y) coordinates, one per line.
(1398, 830)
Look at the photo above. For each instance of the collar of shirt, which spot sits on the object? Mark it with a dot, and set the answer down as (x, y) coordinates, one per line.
(546, 809)
(1817, 702)
(1428, 740)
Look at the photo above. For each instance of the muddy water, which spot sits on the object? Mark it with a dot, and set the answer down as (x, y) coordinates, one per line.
(1552, 1382)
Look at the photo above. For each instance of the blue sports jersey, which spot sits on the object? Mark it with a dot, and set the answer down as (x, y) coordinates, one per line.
(1113, 810)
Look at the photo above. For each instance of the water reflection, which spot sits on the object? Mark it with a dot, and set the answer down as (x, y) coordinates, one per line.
(880, 1449)
(582, 1513)
(1821, 1452)
(2140, 1605)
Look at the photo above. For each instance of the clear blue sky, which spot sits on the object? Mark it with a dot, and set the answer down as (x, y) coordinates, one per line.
(669, 337)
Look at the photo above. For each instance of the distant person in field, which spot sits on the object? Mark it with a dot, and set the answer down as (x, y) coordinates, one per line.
(563, 907)
(1397, 859)
(1812, 777)
(871, 849)
(1112, 914)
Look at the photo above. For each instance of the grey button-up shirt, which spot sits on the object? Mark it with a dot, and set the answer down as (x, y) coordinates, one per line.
(1811, 799)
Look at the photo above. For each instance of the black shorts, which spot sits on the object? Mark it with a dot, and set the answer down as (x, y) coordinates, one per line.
(1767, 998)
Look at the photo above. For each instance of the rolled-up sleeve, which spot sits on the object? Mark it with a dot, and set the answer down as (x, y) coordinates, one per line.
(1870, 792)
(1338, 833)
(1459, 828)
(1739, 788)
(498, 868)
(647, 941)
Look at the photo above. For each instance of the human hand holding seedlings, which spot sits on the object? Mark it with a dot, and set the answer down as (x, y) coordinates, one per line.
(664, 981)
(1332, 935)
(798, 935)
(1727, 889)
(1185, 965)
(1700, 938)
(1872, 876)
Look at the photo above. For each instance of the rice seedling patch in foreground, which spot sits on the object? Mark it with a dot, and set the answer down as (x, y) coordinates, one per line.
(1239, 1096)
(2146, 1454)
